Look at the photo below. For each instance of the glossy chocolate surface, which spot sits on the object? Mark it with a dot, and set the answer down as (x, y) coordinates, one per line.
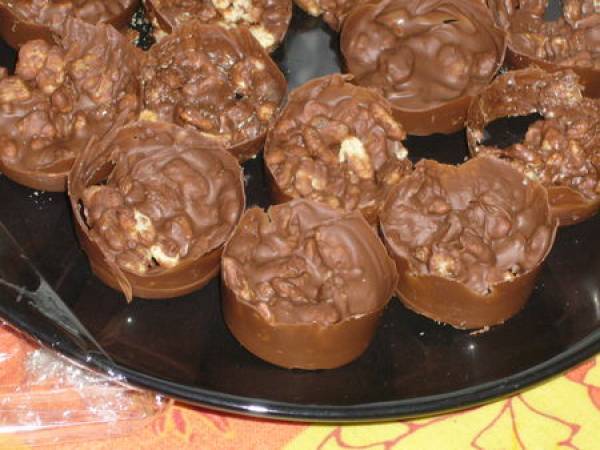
(153, 205)
(562, 151)
(423, 55)
(310, 277)
(217, 80)
(267, 20)
(24, 20)
(474, 231)
(59, 97)
(338, 144)
(413, 366)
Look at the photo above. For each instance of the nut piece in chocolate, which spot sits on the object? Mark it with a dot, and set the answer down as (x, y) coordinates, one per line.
(468, 240)
(153, 206)
(26, 20)
(338, 144)
(427, 57)
(59, 97)
(573, 40)
(267, 20)
(562, 151)
(333, 11)
(304, 285)
(219, 81)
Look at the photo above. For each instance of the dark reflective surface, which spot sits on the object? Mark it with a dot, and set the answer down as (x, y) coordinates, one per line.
(182, 347)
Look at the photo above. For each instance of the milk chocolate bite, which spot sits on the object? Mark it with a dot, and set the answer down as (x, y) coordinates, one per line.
(217, 80)
(60, 96)
(26, 20)
(304, 285)
(153, 207)
(267, 20)
(572, 41)
(427, 57)
(562, 151)
(468, 240)
(338, 144)
(333, 11)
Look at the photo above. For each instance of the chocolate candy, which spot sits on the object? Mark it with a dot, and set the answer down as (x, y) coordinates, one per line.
(26, 20)
(571, 41)
(562, 151)
(304, 285)
(217, 80)
(60, 96)
(427, 57)
(267, 20)
(468, 240)
(153, 206)
(333, 11)
(338, 144)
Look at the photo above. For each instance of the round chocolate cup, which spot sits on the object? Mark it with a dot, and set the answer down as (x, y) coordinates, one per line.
(567, 204)
(448, 301)
(188, 276)
(16, 31)
(446, 118)
(302, 346)
(249, 148)
(276, 193)
(167, 26)
(312, 345)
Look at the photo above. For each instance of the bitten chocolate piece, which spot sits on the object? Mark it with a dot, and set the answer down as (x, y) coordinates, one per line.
(468, 240)
(304, 285)
(27, 20)
(562, 151)
(338, 144)
(427, 57)
(572, 41)
(333, 11)
(267, 20)
(60, 96)
(217, 80)
(153, 206)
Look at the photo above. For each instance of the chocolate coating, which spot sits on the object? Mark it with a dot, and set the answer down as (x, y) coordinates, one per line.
(26, 20)
(267, 20)
(217, 80)
(427, 57)
(571, 41)
(333, 11)
(562, 151)
(305, 284)
(338, 144)
(468, 240)
(60, 96)
(153, 206)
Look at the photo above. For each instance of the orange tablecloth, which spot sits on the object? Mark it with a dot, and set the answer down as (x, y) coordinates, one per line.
(561, 413)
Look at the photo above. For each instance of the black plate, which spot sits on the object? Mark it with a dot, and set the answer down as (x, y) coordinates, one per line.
(183, 349)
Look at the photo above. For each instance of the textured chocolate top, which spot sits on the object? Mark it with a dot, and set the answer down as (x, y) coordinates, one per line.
(422, 54)
(480, 224)
(267, 20)
(561, 150)
(572, 40)
(164, 198)
(333, 11)
(53, 13)
(217, 80)
(62, 95)
(338, 144)
(303, 262)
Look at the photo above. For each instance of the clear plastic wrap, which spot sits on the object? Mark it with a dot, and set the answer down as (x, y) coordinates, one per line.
(47, 399)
